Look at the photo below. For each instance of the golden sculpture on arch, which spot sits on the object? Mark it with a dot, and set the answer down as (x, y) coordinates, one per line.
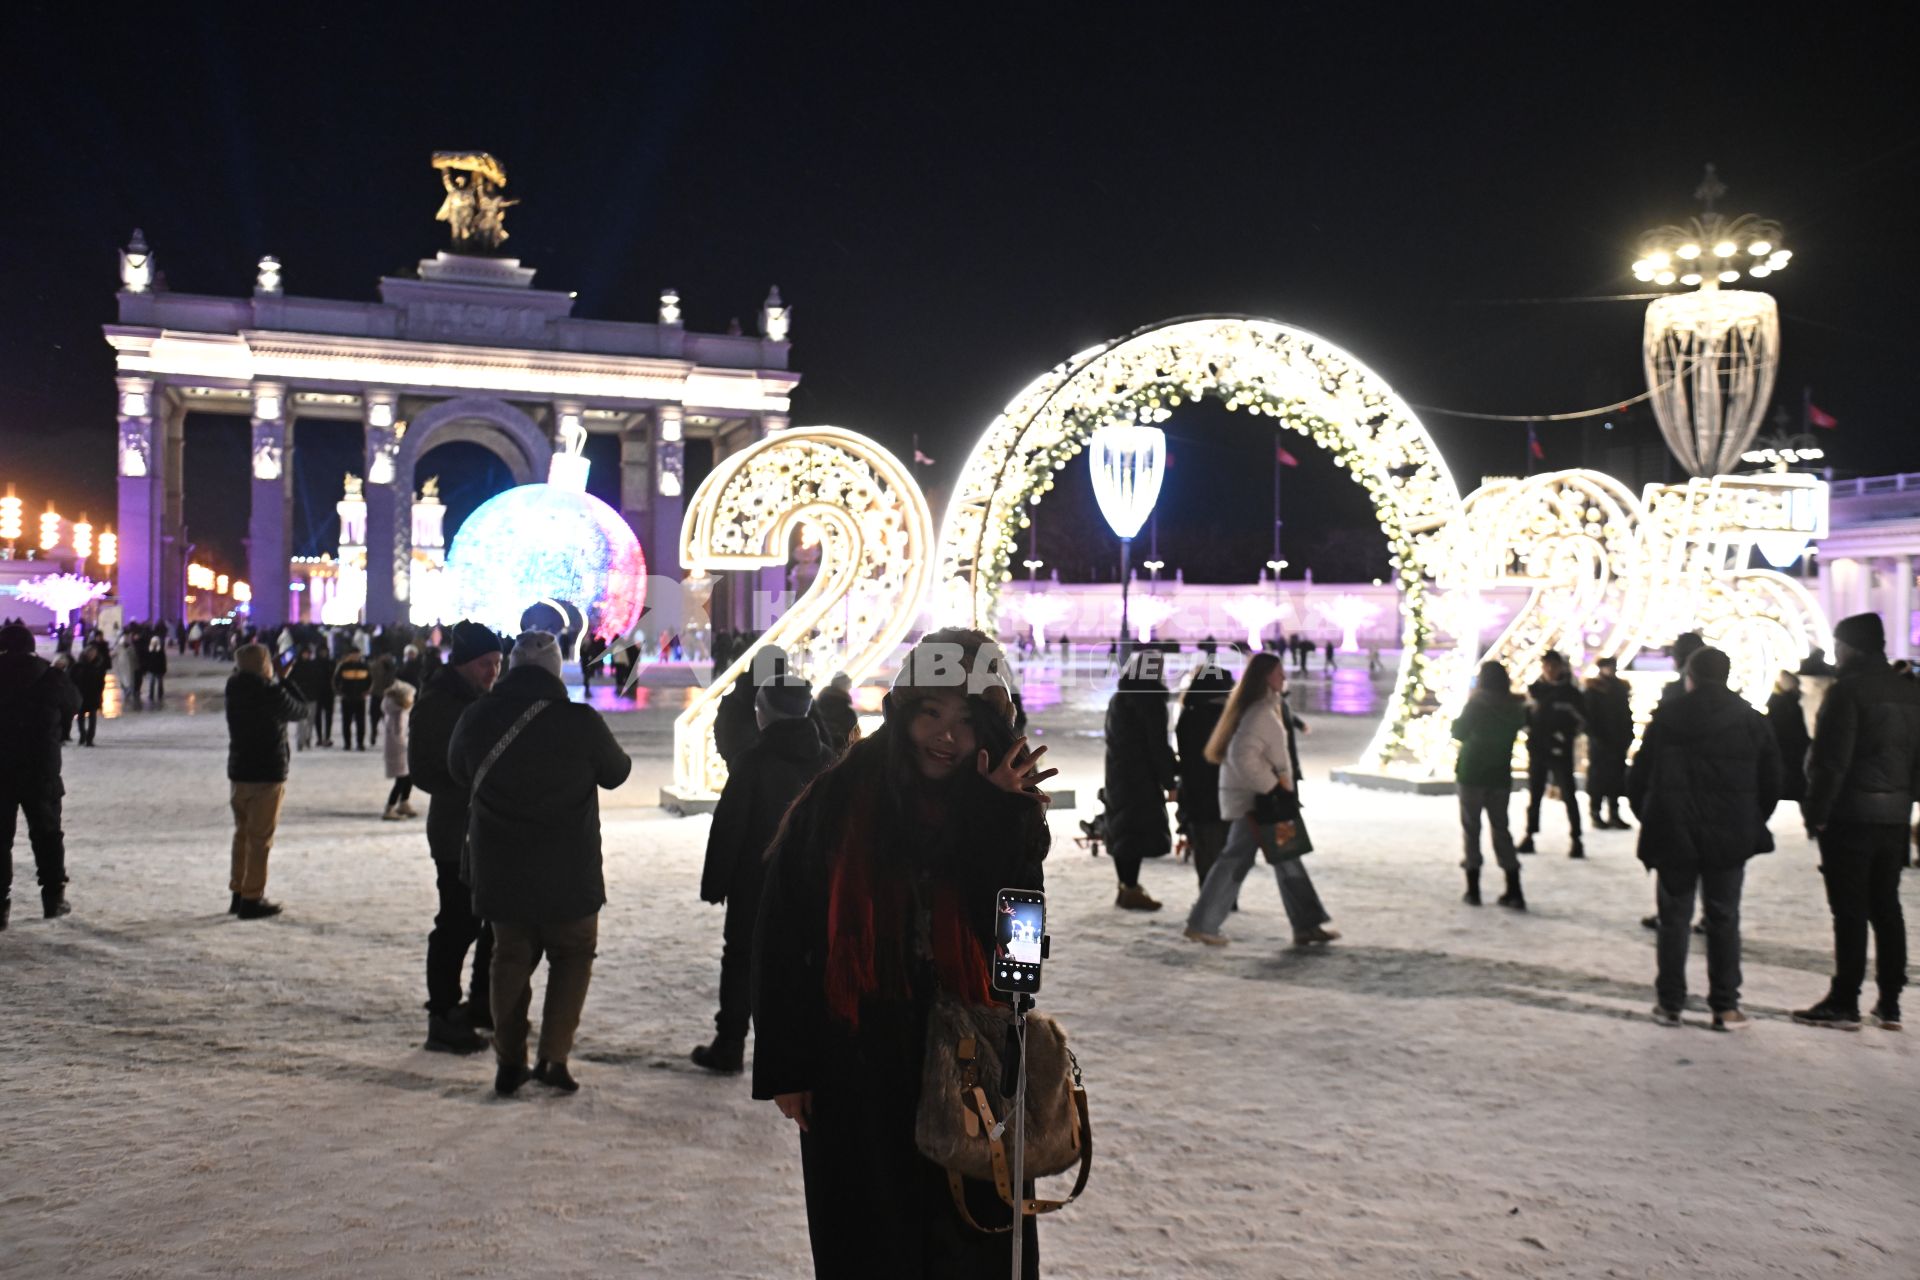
(473, 209)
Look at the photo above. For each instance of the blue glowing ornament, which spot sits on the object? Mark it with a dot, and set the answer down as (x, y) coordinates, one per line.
(551, 543)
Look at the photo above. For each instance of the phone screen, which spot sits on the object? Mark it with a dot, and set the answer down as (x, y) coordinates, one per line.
(1017, 952)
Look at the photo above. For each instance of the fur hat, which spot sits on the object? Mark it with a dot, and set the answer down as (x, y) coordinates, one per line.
(536, 649)
(470, 641)
(1863, 631)
(954, 660)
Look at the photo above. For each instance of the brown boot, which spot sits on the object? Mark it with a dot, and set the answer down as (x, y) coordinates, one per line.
(1133, 898)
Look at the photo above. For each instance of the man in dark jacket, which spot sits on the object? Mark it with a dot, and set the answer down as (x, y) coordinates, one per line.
(1141, 775)
(312, 678)
(1704, 784)
(1556, 716)
(835, 711)
(1199, 781)
(759, 790)
(1863, 776)
(352, 680)
(532, 761)
(1483, 775)
(475, 664)
(259, 709)
(1609, 737)
(36, 699)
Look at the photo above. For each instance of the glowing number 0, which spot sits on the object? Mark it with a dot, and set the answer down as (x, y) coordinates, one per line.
(876, 560)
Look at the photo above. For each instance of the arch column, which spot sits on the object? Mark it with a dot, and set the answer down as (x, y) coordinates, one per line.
(270, 520)
(389, 514)
(141, 504)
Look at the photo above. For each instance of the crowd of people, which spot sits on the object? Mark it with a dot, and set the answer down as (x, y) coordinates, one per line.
(858, 873)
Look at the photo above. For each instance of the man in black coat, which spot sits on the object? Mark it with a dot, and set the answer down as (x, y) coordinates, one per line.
(1704, 784)
(36, 699)
(1141, 775)
(1863, 776)
(760, 789)
(259, 709)
(1609, 737)
(312, 679)
(534, 762)
(475, 664)
(352, 681)
(1556, 717)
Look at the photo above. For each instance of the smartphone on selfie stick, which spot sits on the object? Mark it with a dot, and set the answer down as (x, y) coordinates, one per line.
(1020, 949)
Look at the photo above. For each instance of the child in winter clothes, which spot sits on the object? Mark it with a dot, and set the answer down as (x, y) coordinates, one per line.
(394, 706)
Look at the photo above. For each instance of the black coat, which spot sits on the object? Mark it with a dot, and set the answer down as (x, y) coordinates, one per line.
(533, 831)
(1141, 769)
(759, 791)
(313, 678)
(834, 707)
(35, 700)
(1705, 782)
(258, 713)
(1865, 763)
(1556, 716)
(1199, 780)
(735, 728)
(1609, 709)
(89, 676)
(429, 734)
(1788, 720)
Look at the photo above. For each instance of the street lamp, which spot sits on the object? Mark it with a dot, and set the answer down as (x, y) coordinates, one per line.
(1032, 567)
(1711, 354)
(1128, 463)
(1154, 567)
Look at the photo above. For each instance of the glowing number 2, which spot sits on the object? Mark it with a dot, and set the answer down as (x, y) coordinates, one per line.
(876, 560)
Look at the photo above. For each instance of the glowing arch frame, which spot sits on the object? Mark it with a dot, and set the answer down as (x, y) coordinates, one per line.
(1306, 383)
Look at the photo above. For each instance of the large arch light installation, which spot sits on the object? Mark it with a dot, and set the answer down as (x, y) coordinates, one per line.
(1297, 378)
(876, 564)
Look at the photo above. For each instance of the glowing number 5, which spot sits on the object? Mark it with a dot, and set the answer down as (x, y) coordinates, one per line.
(876, 560)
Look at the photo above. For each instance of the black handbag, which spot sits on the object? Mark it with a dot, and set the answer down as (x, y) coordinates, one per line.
(1275, 806)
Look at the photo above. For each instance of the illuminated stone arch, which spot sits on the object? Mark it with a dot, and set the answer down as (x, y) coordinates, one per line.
(1304, 383)
(495, 425)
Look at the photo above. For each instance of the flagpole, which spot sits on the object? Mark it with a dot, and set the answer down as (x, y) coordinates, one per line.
(1276, 502)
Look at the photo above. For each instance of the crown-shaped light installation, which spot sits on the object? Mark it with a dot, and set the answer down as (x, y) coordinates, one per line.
(1712, 249)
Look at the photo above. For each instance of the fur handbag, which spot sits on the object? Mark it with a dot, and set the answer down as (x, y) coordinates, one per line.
(963, 1117)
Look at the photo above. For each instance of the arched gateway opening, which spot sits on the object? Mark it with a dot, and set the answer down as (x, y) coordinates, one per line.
(1306, 384)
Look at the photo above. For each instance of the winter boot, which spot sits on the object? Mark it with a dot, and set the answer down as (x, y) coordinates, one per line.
(233, 905)
(1525, 846)
(508, 1077)
(722, 1057)
(475, 1013)
(554, 1075)
(392, 814)
(1579, 850)
(1473, 888)
(1886, 1014)
(53, 901)
(257, 909)
(6, 909)
(408, 811)
(1513, 897)
(1133, 898)
(1619, 823)
(449, 1033)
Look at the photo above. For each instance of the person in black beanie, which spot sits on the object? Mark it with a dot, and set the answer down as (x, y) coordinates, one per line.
(452, 1027)
(1863, 776)
(761, 786)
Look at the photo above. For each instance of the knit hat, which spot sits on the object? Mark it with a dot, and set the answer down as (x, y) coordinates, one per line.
(15, 638)
(536, 649)
(470, 641)
(1863, 631)
(790, 698)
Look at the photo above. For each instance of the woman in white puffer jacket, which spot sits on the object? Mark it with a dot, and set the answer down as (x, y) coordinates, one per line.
(394, 706)
(1252, 747)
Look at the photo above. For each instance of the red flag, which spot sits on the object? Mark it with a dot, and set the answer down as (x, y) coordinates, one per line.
(1533, 444)
(1818, 417)
(1284, 458)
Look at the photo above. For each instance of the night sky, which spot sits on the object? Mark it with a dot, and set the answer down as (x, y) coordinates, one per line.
(954, 199)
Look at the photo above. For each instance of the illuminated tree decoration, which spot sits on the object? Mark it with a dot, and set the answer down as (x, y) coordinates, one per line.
(548, 543)
(1039, 610)
(876, 562)
(1267, 368)
(61, 592)
(1349, 613)
(1256, 613)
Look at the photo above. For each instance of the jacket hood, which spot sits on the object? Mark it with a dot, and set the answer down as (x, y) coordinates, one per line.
(795, 739)
(530, 682)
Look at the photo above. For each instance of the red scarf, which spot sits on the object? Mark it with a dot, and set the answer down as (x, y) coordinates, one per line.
(869, 913)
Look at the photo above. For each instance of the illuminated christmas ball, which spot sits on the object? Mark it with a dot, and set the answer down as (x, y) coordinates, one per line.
(550, 543)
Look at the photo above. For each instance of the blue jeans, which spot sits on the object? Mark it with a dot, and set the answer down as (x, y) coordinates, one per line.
(1222, 886)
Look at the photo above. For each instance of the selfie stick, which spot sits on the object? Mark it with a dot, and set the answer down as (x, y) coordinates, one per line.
(1016, 1061)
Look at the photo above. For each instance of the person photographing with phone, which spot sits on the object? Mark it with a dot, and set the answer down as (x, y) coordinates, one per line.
(880, 896)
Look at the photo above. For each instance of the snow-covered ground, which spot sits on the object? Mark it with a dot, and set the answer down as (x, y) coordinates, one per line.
(1446, 1092)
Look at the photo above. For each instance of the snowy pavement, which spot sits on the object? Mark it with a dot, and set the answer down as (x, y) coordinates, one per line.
(1446, 1092)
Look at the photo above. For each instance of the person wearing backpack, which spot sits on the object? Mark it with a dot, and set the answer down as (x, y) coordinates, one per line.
(534, 764)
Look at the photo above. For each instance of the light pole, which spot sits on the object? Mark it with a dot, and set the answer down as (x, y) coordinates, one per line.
(1128, 464)
(1154, 567)
(1276, 564)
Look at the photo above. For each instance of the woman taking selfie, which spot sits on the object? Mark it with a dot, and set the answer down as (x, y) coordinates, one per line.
(1252, 745)
(879, 895)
